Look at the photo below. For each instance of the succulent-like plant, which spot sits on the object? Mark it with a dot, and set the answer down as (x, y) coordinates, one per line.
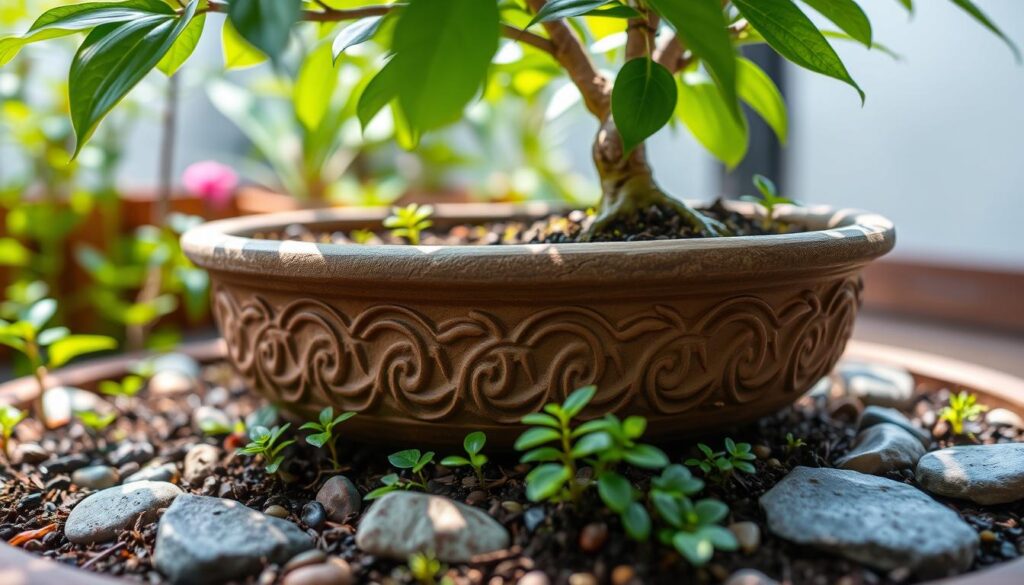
(411, 460)
(769, 199)
(94, 421)
(720, 465)
(10, 417)
(693, 529)
(473, 444)
(793, 443)
(424, 567)
(324, 427)
(128, 387)
(963, 407)
(266, 443)
(409, 221)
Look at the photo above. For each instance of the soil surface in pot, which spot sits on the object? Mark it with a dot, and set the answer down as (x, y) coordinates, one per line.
(158, 431)
(652, 223)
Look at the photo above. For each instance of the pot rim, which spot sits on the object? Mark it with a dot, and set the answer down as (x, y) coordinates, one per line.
(999, 389)
(837, 239)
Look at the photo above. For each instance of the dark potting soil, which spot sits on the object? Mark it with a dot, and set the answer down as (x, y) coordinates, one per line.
(35, 499)
(653, 223)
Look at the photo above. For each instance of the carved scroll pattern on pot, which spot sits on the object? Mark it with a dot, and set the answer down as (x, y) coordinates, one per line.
(396, 358)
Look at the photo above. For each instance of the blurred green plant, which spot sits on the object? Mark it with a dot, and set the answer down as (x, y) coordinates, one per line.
(962, 408)
(409, 222)
(10, 417)
(324, 435)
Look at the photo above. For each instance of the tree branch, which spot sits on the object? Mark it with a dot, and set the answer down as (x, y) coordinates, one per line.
(571, 54)
(640, 34)
(670, 54)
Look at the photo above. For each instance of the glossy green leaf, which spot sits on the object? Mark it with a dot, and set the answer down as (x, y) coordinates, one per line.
(446, 46)
(758, 91)
(976, 13)
(454, 461)
(698, 551)
(72, 346)
(535, 437)
(637, 522)
(792, 34)
(183, 47)
(847, 15)
(615, 491)
(705, 114)
(643, 100)
(354, 34)
(474, 442)
(556, 9)
(41, 312)
(112, 60)
(591, 444)
(314, 86)
(908, 4)
(378, 93)
(265, 24)
(710, 511)
(542, 454)
(540, 419)
(702, 27)
(546, 481)
(646, 456)
(238, 53)
(13, 253)
(406, 459)
(66, 20)
(52, 335)
(719, 536)
(578, 400)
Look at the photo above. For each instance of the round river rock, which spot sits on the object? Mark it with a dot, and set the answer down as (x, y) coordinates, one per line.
(872, 520)
(104, 514)
(986, 474)
(882, 448)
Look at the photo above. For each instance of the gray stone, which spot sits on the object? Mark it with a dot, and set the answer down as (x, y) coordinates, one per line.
(200, 461)
(204, 540)
(166, 472)
(61, 402)
(874, 415)
(176, 362)
(403, 523)
(171, 383)
(1001, 417)
(30, 453)
(748, 535)
(96, 477)
(335, 571)
(750, 577)
(211, 421)
(986, 474)
(872, 520)
(102, 515)
(132, 452)
(883, 448)
(876, 384)
(340, 498)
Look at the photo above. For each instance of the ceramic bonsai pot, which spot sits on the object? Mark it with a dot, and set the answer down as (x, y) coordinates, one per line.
(429, 342)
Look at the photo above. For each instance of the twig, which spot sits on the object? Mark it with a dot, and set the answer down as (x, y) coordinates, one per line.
(106, 553)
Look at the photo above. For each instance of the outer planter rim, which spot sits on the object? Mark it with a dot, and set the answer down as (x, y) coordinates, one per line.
(835, 238)
(998, 388)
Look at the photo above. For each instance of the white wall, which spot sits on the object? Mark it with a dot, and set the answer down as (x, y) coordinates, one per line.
(938, 145)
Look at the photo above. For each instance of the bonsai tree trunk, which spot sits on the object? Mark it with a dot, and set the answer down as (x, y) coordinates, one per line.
(628, 186)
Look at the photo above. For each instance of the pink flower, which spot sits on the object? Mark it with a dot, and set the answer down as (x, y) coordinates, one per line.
(211, 181)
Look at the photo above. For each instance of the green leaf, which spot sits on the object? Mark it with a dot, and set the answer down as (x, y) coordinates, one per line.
(265, 24)
(719, 536)
(112, 60)
(637, 522)
(541, 419)
(546, 481)
(343, 417)
(455, 461)
(406, 459)
(423, 461)
(13, 253)
(535, 437)
(591, 426)
(591, 444)
(698, 551)
(557, 9)
(615, 491)
(66, 20)
(378, 93)
(908, 4)
(759, 92)
(702, 28)
(314, 87)
(238, 53)
(847, 15)
(643, 100)
(634, 426)
(976, 13)
(578, 400)
(474, 442)
(318, 440)
(52, 335)
(183, 48)
(706, 115)
(541, 454)
(710, 511)
(373, 495)
(788, 30)
(72, 346)
(646, 456)
(446, 47)
(668, 508)
(354, 34)
(41, 312)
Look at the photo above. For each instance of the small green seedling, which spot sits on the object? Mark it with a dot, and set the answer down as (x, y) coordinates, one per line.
(793, 443)
(10, 417)
(128, 387)
(361, 236)
(963, 407)
(409, 221)
(473, 444)
(769, 199)
(95, 422)
(410, 459)
(693, 529)
(425, 568)
(265, 444)
(720, 465)
(324, 428)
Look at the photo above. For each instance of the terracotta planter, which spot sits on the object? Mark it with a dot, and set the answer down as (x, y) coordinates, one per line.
(930, 372)
(256, 200)
(429, 342)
